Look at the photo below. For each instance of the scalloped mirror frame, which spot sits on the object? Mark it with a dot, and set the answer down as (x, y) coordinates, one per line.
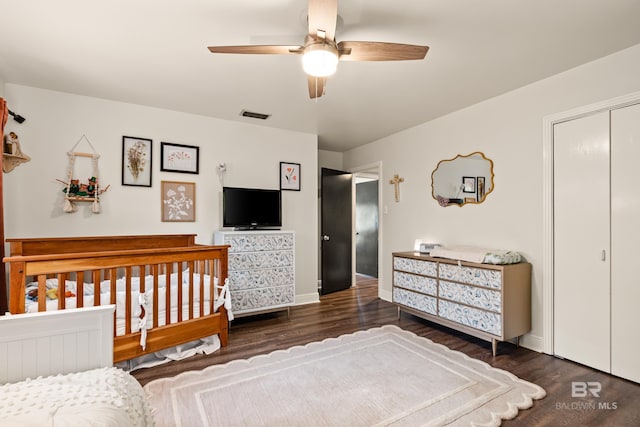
(443, 201)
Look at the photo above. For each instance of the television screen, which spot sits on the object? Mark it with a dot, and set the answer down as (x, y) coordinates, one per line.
(251, 208)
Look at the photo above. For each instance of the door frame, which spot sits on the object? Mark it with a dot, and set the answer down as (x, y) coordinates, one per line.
(548, 123)
(375, 167)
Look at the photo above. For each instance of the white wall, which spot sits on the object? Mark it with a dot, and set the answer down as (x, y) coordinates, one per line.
(330, 159)
(56, 121)
(508, 130)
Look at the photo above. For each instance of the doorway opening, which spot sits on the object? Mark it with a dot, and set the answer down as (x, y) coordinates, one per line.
(367, 222)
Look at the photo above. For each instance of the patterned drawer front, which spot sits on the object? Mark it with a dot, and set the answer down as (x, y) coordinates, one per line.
(263, 278)
(469, 316)
(474, 276)
(250, 260)
(263, 298)
(258, 242)
(426, 285)
(420, 302)
(477, 297)
(409, 265)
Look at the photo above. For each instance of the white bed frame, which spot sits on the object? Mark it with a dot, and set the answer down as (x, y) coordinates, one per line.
(55, 342)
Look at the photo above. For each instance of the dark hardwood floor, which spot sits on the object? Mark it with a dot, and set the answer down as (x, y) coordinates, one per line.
(359, 308)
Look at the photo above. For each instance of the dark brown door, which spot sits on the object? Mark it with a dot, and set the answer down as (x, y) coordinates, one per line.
(336, 230)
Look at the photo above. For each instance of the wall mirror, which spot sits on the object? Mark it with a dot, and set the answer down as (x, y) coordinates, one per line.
(462, 180)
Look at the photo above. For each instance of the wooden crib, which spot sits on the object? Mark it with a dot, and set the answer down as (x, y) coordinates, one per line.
(123, 268)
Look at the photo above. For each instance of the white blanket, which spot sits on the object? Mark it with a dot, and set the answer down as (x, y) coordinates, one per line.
(99, 397)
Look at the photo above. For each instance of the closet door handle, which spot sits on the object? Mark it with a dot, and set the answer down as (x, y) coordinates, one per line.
(604, 255)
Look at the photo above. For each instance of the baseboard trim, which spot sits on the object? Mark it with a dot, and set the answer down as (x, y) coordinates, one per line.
(307, 299)
(532, 342)
(385, 295)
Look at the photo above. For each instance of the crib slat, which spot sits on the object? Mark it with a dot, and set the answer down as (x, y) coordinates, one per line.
(80, 289)
(167, 305)
(201, 265)
(42, 292)
(113, 277)
(142, 275)
(127, 301)
(142, 272)
(191, 285)
(154, 271)
(96, 287)
(179, 302)
(62, 291)
(212, 289)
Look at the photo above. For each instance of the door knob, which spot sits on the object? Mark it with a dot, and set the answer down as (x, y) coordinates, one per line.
(325, 237)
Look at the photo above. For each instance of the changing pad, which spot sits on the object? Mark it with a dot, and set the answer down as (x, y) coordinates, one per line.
(476, 254)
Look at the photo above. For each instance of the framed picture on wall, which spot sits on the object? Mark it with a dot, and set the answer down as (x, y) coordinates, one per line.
(290, 176)
(179, 158)
(468, 184)
(178, 201)
(136, 161)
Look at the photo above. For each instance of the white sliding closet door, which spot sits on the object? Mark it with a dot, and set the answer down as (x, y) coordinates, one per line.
(581, 241)
(625, 242)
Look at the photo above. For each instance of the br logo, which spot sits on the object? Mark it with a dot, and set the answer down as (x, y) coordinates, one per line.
(584, 389)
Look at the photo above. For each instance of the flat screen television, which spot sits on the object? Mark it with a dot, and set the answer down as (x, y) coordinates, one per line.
(249, 208)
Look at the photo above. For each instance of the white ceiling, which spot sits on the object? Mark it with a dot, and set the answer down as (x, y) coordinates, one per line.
(154, 52)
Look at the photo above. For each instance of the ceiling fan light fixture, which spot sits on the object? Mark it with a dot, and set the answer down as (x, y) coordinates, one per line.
(320, 59)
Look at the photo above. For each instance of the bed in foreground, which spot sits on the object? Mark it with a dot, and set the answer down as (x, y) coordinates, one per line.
(55, 369)
(167, 290)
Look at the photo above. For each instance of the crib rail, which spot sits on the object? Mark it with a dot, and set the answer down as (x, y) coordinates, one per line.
(68, 245)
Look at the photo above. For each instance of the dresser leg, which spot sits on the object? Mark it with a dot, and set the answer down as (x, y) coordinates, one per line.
(494, 346)
(399, 312)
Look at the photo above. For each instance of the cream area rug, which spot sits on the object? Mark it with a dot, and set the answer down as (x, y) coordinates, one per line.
(380, 377)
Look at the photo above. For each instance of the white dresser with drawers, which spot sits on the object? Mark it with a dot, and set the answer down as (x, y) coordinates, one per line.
(261, 269)
(492, 302)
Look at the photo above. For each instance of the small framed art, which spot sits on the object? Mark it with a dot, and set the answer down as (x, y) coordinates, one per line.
(178, 201)
(290, 176)
(136, 161)
(179, 158)
(468, 184)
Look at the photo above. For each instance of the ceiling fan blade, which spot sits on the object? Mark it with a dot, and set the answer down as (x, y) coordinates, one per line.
(257, 49)
(380, 51)
(316, 86)
(323, 16)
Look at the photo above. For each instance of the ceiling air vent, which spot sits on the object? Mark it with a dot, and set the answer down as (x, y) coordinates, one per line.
(251, 114)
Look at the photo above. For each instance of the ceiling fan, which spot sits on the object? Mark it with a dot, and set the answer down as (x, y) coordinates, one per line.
(320, 52)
